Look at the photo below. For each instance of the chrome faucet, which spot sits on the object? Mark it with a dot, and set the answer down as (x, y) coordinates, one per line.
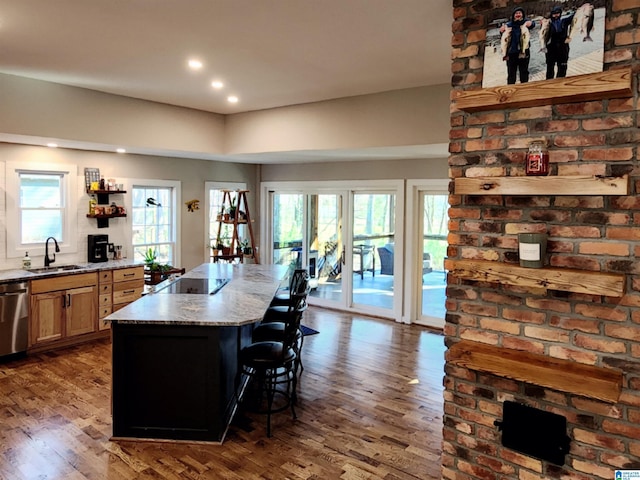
(47, 260)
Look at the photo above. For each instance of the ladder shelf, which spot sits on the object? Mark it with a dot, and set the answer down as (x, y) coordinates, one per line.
(235, 211)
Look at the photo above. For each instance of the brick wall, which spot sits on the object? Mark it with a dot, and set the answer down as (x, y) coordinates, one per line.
(596, 233)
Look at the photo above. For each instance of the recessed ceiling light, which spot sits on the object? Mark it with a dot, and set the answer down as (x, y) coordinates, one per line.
(217, 84)
(52, 145)
(232, 99)
(195, 64)
(121, 150)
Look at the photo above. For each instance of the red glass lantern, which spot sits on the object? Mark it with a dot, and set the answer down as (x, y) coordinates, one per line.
(537, 161)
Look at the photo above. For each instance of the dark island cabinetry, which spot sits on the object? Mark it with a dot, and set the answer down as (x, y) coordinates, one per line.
(176, 381)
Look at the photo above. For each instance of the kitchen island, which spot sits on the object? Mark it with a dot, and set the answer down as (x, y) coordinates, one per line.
(175, 352)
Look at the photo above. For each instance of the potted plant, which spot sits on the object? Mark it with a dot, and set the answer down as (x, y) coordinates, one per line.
(224, 247)
(232, 209)
(155, 270)
(244, 245)
(218, 246)
(213, 245)
(150, 257)
(247, 250)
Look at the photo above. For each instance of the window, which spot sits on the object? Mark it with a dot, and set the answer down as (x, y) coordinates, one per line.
(154, 220)
(41, 207)
(40, 204)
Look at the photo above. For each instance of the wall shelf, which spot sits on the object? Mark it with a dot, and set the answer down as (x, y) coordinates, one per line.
(103, 220)
(103, 199)
(614, 83)
(550, 185)
(563, 375)
(103, 195)
(564, 279)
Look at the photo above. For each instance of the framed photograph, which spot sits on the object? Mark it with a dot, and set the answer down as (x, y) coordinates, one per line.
(540, 40)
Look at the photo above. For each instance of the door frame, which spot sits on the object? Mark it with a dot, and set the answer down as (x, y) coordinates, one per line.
(347, 189)
(414, 230)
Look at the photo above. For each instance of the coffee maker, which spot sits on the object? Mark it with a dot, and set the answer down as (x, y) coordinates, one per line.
(98, 248)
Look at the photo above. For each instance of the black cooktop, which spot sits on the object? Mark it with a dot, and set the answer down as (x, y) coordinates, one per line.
(198, 286)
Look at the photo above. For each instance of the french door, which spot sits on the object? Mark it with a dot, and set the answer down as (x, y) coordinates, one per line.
(337, 233)
(428, 204)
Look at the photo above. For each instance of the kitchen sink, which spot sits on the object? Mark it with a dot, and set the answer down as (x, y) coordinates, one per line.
(56, 268)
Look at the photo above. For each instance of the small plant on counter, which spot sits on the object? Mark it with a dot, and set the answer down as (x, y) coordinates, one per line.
(150, 256)
(150, 263)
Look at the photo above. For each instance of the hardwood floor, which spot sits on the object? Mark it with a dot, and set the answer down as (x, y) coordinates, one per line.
(370, 407)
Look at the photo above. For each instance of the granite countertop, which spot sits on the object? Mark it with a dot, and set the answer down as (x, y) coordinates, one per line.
(240, 302)
(22, 275)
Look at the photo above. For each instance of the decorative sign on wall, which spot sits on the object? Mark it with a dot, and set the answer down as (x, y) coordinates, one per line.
(91, 175)
(565, 38)
(192, 205)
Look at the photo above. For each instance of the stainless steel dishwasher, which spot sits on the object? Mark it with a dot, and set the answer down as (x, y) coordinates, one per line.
(14, 317)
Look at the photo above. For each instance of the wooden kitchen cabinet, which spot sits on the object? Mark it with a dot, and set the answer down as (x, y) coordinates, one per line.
(81, 311)
(47, 317)
(105, 297)
(69, 309)
(62, 309)
(128, 284)
(118, 288)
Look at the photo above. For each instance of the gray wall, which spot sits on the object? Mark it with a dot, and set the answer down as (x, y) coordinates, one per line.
(433, 168)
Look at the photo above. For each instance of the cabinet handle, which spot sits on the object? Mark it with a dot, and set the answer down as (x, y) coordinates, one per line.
(68, 299)
(128, 291)
(128, 274)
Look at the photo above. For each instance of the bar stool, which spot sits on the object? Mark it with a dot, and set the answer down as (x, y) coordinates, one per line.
(270, 365)
(283, 297)
(280, 321)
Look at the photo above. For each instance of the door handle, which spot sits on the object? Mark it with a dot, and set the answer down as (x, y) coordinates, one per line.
(344, 253)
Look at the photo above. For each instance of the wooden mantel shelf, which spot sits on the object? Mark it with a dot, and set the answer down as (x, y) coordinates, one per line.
(614, 83)
(568, 280)
(551, 185)
(563, 375)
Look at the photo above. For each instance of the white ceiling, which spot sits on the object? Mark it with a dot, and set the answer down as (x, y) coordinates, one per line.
(269, 53)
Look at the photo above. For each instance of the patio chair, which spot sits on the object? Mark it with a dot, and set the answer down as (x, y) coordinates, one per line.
(386, 260)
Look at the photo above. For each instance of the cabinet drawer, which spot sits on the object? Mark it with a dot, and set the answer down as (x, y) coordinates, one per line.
(120, 286)
(105, 276)
(125, 274)
(104, 310)
(127, 295)
(63, 282)
(104, 299)
(105, 288)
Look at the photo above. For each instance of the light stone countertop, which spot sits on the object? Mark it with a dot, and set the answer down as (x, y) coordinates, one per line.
(85, 267)
(240, 302)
